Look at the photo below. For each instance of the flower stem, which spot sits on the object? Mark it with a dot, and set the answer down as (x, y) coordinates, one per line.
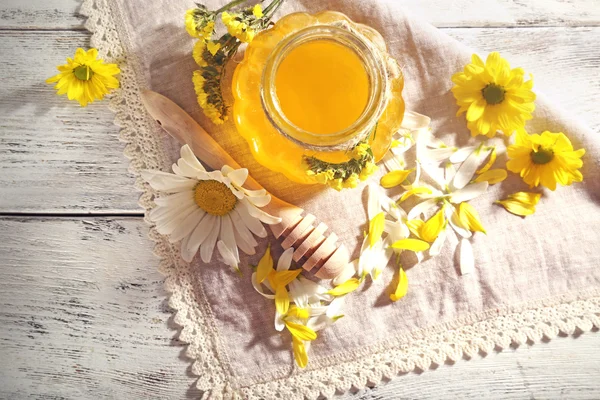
(275, 4)
(229, 5)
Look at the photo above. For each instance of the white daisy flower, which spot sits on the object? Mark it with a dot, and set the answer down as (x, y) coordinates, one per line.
(207, 209)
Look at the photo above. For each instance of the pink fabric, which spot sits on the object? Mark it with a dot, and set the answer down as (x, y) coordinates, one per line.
(551, 254)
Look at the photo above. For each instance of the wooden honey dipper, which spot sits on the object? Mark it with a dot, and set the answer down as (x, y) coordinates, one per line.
(320, 253)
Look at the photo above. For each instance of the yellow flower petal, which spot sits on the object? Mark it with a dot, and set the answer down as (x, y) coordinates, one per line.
(470, 218)
(301, 332)
(297, 312)
(300, 354)
(492, 176)
(265, 266)
(349, 286)
(213, 47)
(411, 244)
(415, 226)
(433, 227)
(490, 162)
(283, 278)
(415, 190)
(257, 11)
(402, 286)
(521, 203)
(376, 228)
(394, 178)
(282, 300)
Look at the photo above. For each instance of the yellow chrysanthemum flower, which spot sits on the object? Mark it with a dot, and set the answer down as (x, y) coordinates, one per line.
(494, 96)
(85, 78)
(545, 159)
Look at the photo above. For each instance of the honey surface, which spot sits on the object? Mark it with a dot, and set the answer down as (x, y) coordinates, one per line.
(322, 86)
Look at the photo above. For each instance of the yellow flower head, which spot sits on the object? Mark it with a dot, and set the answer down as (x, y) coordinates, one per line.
(200, 23)
(545, 159)
(352, 181)
(367, 170)
(257, 11)
(85, 78)
(236, 27)
(494, 96)
(198, 53)
(360, 151)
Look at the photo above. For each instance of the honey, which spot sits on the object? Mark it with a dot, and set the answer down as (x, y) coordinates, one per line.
(316, 86)
(322, 86)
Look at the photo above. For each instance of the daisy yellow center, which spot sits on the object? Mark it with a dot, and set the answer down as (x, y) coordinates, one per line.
(542, 156)
(493, 94)
(214, 197)
(83, 73)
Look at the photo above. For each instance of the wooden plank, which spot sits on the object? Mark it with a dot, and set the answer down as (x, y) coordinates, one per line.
(56, 156)
(41, 14)
(83, 316)
(62, 14)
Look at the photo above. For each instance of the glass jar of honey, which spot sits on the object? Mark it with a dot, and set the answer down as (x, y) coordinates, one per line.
(316, 93)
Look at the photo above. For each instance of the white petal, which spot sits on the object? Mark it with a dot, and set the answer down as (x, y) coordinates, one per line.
(373, 204)
(422, 208)
(285, 260)
(396, 230)
(436, 155)
(417, 174)
(393, 162)
(226, 169)
(348, 272)
(162, 215)
(469, 192)
(335, 307)
(187, 226)
(251, 223)
(167, 182)
(241, 228)
(436, 173)
(319, 322)
(449, 173)
(188, 155)
(467, 169)
(298, 293)
(174, 198)
(467, 263)
(391, 207)
(260, 201)
(228, 256)
(461, 154)
(198, 236)
(437, 245)
(413, 120)
(260, 214)
(167, 227)
(227, 236)
(238, 176)
(184, 169)
(258, 287)
(364, 266)
(403, 147)
(208, 245)
(243, 244)
(255, 193)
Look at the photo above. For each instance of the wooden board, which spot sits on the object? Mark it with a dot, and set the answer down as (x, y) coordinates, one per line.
(83, 316)
(62, 14)
(56, 156)
(61, 158)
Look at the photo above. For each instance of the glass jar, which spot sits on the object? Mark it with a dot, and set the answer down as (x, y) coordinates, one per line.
(282, 139)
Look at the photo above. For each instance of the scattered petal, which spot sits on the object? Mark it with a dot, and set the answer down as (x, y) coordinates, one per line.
(376, 226)
(411, 244)
(467, 263)
(402, 287)
(469, 192)
(469, 217)
(492, 176)
(265, 265)
(394, 178)
(433, 227)
(521, 203)
(349, 286)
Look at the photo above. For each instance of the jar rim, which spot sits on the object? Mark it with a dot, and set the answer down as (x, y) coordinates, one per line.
(375, 67)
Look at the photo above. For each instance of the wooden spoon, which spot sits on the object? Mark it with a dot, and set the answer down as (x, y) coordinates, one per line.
(313, 250)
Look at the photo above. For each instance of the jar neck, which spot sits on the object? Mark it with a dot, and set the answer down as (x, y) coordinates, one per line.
(375, 68)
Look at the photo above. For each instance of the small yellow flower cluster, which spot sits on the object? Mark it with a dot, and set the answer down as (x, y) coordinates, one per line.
(343, 175)
(236, 26)
(200, 23)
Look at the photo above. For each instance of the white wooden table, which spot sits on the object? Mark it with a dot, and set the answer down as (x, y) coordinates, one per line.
(82, 311)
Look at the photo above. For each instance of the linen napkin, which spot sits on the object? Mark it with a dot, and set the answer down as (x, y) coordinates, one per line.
(533, 277)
